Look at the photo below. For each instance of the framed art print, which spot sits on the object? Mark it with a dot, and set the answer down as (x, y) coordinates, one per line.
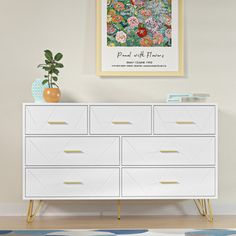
(140, 38)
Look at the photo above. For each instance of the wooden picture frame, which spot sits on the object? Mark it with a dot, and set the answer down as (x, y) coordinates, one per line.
(130, 58)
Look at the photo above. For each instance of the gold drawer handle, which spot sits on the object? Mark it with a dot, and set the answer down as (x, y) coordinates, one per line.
(73, 151)
(57, 123)
(169, 151)
(73, 183)
(121, 123)
(185, 122)
(169, 182)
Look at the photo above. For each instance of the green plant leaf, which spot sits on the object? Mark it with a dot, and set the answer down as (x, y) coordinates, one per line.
(59, 65)
(48, 55)
(47, 62)
(58, 57)
(56, 71)
(55, 78)
(46, 68)
(55, 84)
(50, 71)
(45, 81)
(45, 76)
(41, 65)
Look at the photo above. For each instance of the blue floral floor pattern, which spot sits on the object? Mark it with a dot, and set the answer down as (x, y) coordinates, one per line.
(125, 232)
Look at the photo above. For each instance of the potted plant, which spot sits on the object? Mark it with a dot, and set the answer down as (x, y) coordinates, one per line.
(51, 66)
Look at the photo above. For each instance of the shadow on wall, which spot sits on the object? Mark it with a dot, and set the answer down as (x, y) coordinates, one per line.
(227, 160)
(67, 97)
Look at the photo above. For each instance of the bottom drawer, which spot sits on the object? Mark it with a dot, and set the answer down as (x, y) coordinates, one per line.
(73, 182)
(168, 182)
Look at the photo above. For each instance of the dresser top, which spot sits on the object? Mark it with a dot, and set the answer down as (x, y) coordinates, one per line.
(117, 103)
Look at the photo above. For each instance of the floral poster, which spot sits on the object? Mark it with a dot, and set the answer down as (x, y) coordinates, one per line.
(140, 37)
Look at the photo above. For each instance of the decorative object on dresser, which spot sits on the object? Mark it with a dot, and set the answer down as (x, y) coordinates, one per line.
(51, 66)
(187, 97)
(120, 151)
(38, 89)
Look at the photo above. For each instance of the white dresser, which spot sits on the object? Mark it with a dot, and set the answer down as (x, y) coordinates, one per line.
(120, 151)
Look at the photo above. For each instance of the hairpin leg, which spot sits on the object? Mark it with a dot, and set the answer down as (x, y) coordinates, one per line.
(118, 209)
(204, 208)
(33, 212)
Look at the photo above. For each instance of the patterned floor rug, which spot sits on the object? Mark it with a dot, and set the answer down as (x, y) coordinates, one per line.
(133, 232)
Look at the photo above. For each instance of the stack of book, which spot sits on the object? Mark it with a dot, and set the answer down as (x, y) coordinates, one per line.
(187, 97)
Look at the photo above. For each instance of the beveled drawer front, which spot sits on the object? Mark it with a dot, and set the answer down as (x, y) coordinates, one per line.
(78, 183)
(120, 119)
(168, 151)
(168, 182)
(56, 120)
(72, 151)
(184, 119)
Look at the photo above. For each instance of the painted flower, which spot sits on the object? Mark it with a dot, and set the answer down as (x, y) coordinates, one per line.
(141, 32)
(152, 25)
(132, 2)
(110, 29)
(158, 38)
(146, 13)
(117, 18)
(121, 37)
(119, 6)
(146, 42)
(168, 20)
(111, 12)
(109, 18)
(111, 45)
(133, 22)
(138, 3)
(168, 33)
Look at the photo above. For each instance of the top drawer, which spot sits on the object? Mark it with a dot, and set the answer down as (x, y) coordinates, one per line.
(120, 119)
(185, 119)
(56, 119)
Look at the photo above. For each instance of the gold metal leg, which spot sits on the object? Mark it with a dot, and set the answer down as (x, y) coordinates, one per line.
(204, 208)
(118, 209)
(31, 212)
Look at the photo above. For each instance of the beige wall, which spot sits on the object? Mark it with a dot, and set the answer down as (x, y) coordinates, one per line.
(27, 27)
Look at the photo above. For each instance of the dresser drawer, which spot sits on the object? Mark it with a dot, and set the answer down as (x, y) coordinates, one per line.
(184, 119)
(72, 151)
(168, 182)
(168, 151)
(74, 183)
(56, 119)
(120, 119)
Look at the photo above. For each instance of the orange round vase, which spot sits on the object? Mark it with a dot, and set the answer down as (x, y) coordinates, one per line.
(52, 94)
